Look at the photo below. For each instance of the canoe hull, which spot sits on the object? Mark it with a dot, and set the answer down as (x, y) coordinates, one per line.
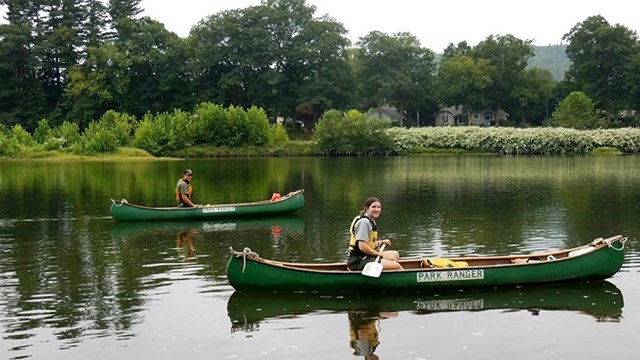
(248, 273)
(290, 203)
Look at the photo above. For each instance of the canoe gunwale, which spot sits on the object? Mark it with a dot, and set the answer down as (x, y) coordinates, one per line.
(601, 260)
(124, 202)
(292, 202)
(501, 261)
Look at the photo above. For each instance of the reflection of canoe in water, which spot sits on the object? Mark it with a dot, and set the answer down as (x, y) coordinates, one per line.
(595, 261)
(292, 223)
(290, 203)
(601, 299)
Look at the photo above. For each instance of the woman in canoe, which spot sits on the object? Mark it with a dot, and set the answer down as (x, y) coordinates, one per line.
(364, 245)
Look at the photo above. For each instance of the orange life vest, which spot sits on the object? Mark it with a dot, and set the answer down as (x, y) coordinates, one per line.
(189, 193)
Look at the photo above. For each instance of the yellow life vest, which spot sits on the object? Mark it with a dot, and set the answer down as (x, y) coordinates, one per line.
(179, 195)
(373, 235)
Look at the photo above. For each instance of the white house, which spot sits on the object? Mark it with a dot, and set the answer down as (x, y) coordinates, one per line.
(386, 112)
(458, 116)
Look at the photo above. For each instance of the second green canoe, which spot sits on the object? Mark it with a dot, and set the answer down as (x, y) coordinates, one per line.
(290, 203)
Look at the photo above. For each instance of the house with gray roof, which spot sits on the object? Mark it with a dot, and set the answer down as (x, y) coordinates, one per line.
(386, 112)
(458, 116)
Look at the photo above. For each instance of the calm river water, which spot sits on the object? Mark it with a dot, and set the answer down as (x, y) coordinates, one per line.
(74, 284)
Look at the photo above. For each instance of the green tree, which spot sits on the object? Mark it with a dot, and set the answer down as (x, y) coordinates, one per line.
(396, 70)
(329, 82)
(464, 81)
(276, 56)
(509, 56)
(534, 94)
(95, 24)
(43, 41)
(22, 95)
(634, 80)
(96, 85)
(123, 13)
(58, 49)
(157, 69)
(451, 51)
(577, 111)
(145, 72)
(602, 57)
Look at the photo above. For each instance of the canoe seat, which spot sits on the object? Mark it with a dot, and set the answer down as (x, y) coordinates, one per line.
(582, 251)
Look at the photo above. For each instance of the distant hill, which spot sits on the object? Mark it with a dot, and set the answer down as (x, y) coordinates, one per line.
(552, 58)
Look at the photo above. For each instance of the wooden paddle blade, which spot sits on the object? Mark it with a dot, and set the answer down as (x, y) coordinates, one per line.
(372, 269)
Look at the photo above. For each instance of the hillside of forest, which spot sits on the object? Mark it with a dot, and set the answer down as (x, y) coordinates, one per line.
(552, 58)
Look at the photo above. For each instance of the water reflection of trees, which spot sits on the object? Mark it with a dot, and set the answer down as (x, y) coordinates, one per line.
(73, 282)
(477, 204)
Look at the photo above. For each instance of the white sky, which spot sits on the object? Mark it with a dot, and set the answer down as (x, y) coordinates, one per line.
(435, 23)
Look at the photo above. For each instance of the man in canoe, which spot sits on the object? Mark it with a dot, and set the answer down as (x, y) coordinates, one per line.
(184, 191)
(364, 245)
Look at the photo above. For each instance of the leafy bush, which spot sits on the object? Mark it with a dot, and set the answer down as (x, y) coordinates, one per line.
(67, 133)
(577, 111)
(8, 145)
(156, 134)
(43, 132)
(98, 139)
(106, 135)
(351, 133)
(210, 124)
(120, 124)
(247, 127)
(21, 136)
(279, 135)
(150, 137)
(180, 129)
(257, 125)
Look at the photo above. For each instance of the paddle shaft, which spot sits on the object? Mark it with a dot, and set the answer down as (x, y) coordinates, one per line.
(381, 250)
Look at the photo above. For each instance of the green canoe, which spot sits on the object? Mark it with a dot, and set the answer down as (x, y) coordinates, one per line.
(595, 261)
(290, 203)
(600, 299)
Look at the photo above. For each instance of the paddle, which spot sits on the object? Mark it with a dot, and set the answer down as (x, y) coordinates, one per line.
(373, 269)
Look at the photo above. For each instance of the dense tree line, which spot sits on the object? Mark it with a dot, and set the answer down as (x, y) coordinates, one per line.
(74, 60)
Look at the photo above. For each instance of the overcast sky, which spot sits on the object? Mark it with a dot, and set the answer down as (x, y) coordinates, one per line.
(435, 23)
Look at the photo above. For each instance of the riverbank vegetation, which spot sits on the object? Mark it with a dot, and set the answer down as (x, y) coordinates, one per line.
(213, 131)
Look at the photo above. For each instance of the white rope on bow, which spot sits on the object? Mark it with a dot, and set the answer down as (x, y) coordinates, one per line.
(122, 202)
(245, 252)
(609, 243)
